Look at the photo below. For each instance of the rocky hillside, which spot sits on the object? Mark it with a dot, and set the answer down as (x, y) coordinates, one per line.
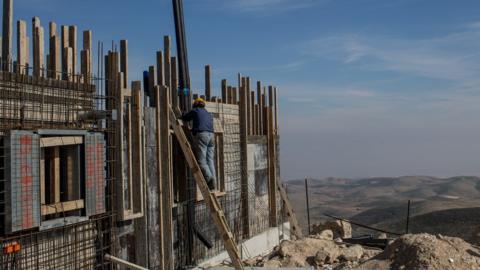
(439, 205)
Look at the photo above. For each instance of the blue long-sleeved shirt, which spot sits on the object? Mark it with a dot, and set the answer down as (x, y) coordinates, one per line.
(202, 120)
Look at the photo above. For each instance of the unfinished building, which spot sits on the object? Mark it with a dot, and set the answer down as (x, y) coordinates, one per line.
(90, 168)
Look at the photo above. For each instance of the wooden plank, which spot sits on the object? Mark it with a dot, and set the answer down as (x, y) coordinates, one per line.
(60, 141)
(151, 85)
(7, 35)
(244, 97)
(22, 47)
(249, 106)
(137, 147)
(160, 69)
(38, 49)
(167, 65)
(275, 105)
(260, 109)
(65, 44)
(224, 91)
(87, 62)
(61, 207)
(295, 228)
(174, 88)
(272, 168)
(42, 178)
(159, 161)
(54, 58)
(166, 176)
(52, 27)
(68, 64)
(253, 116)
(56, 174)
(124, 61)
(264, 114)
(72, 39)
(208, 82)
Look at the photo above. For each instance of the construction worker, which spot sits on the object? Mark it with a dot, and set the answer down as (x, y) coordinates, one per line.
(204, 139)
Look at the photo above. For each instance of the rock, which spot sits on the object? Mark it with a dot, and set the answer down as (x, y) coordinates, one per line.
(382, 236)
(425, 252)
(339, 228)
(326, 235)
(273, 264)
(338, 240)
(352, 254)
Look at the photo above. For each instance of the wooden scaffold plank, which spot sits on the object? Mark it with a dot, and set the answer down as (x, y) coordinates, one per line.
(22, 47)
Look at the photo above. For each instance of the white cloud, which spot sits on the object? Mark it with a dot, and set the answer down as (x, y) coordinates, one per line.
(451, 57)
(271, 5)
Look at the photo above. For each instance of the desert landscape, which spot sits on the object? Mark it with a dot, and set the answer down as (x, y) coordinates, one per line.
(447, 206)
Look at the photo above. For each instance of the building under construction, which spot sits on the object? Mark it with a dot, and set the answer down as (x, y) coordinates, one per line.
(94, 172)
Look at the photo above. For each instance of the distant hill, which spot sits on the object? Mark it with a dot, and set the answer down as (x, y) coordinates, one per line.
(382, 201)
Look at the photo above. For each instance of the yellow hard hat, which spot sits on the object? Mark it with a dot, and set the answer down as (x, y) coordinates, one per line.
(199, 100)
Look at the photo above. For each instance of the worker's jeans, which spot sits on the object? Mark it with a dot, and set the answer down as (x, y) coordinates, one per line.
(205, 155)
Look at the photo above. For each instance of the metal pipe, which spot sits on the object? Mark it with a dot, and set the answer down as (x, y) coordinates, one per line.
(124, 263)
(408, 217)
(308, 204)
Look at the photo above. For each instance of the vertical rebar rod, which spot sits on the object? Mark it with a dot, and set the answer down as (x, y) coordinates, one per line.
(308, 204)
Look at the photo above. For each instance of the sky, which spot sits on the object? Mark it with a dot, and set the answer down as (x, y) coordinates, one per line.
(366, 87)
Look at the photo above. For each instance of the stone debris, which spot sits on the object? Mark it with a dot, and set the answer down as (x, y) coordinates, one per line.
(339, 228)
(409, 252)
(425, 252)
(318, 251)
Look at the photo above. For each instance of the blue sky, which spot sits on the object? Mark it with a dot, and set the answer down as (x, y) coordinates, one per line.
(367, 87)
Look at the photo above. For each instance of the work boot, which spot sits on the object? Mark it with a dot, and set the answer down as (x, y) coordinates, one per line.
(211, 185)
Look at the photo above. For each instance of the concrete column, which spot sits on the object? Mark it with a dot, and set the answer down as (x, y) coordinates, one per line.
(7, 34)
(22, 47)
(72, 31)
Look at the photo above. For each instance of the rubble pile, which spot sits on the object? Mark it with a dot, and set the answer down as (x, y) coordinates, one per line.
(426, 252)
(320, 250)
(325, 250)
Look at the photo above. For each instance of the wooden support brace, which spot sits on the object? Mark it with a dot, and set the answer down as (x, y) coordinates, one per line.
(72, 38)
(208, 82)
(124, 61)
(22, 47)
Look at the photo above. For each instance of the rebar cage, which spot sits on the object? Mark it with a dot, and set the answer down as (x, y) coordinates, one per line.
(78, 103)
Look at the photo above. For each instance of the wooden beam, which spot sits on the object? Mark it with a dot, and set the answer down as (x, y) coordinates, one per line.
(52, 27)
(22, 47)
(61, 207)
(160, 69)
(253, 115)
(174, 88)
(55, 175)
(224, 91)
(68, 64)
(159, 161)
(60, 141)
(166, 176)
(65, 44)
(42, 178)
(243, 106)
(72, 39)
(54, 60)
(260, 109)
(167, 65)
(124, 61)
(7, 34)
(208, 82)
(275, 104)
(151, 85)
(137, 146)
(87, 55)
(272, 168)
(249, 106)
